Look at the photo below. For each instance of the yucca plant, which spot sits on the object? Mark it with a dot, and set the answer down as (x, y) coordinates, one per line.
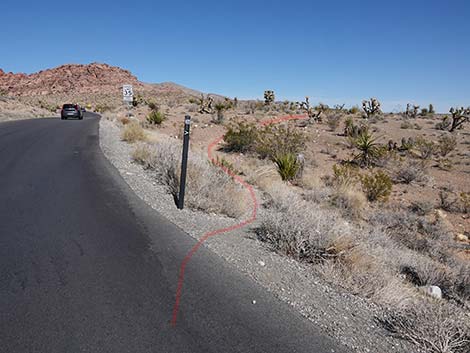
(287, 166)
(369, 149)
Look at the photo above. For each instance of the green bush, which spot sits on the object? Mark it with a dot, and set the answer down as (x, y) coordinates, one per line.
(274, 141)
(425, 148)
(287, 166)
(377, 186)
(155, 117)
(241, 137)
(447, 143)
(344, 175)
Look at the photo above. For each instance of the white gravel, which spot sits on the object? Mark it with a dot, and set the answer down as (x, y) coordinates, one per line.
(345, 317)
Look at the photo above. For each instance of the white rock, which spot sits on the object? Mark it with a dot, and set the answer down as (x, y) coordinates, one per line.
(432, 291)
(261, 263)
(253, 302)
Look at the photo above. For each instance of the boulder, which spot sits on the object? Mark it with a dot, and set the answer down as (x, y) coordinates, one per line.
(432, 291)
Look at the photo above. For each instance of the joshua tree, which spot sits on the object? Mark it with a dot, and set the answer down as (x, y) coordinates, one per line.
(431, 109)
(269, 97)
(339, 107)
(314, 114)
(205, 105)
(412, 111)
(371, 107)
(459, 117)
(220, 108)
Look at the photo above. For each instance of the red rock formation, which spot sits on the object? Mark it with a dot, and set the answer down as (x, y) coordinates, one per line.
(91, 78)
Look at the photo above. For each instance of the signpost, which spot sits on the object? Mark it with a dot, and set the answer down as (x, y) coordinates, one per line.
(184, 161)
(128, 97)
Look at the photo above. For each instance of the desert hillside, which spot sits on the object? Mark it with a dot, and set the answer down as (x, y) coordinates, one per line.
(68, 79)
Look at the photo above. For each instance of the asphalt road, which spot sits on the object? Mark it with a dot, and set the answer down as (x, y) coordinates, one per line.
(86, 266)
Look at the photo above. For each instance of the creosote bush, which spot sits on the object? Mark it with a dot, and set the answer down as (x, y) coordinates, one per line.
(447, 143)
(274, 141)
(133, 132)
(155, 117)
(241, 137)
(377, 186)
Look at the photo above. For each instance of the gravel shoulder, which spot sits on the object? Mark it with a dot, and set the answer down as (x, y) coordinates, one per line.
(339, 314)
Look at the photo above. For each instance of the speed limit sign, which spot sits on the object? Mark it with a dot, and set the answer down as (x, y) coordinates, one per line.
(127, 93)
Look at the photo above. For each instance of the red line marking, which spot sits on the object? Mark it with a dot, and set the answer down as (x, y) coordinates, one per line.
(237, 178)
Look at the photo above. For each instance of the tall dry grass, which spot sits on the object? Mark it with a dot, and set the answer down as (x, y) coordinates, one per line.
(207, 189)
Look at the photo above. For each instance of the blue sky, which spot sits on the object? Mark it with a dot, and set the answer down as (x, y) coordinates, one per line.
(332, 51)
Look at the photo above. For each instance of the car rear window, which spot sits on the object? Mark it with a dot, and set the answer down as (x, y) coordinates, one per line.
(68, 106)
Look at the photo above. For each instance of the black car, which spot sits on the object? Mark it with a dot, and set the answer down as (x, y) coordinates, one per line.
(71, 111)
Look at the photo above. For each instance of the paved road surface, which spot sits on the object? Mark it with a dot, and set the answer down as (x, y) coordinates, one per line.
(77, 272)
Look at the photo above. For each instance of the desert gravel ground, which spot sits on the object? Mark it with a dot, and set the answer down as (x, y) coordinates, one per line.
(341, 315)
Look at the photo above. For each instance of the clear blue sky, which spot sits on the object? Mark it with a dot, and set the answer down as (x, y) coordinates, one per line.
(333, 51)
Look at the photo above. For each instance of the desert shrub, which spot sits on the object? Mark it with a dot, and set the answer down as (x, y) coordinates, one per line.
(434, 327)
(445, 164)
(351, 202)
(406, 125)
(225, 164)
(352, 130)
(132, 133)
(143, 155)
(369, 150)
(465, 202)
(333, 121)
(287, 166)
(377, 186)
(444, 124)
(447, 143)
(411, 170)
(276, 141)
(241, 137)
(102, 108)
(425, 148)
(354, 110)
(448, 201)
(300, 229)
(344, 175)
(155, 117)
(421, 208)
(152, 105)
(207, 187)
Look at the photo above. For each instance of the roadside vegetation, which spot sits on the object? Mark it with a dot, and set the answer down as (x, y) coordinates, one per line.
(342, 193)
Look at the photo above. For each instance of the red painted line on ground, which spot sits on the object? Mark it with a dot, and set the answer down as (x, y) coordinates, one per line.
(251, 219)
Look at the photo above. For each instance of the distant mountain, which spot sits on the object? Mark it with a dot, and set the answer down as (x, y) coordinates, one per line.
(68, 79)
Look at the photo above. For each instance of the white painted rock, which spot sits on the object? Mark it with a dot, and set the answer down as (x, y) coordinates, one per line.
(433, 291)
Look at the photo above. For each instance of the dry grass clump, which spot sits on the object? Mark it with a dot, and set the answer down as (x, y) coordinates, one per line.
(351, 202)
(411, 170)
(133, 132)
(300, 229)
(207, 189)
(436, 327)
(386, 260)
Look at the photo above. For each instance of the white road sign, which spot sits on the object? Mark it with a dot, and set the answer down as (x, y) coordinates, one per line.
(127, 93)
